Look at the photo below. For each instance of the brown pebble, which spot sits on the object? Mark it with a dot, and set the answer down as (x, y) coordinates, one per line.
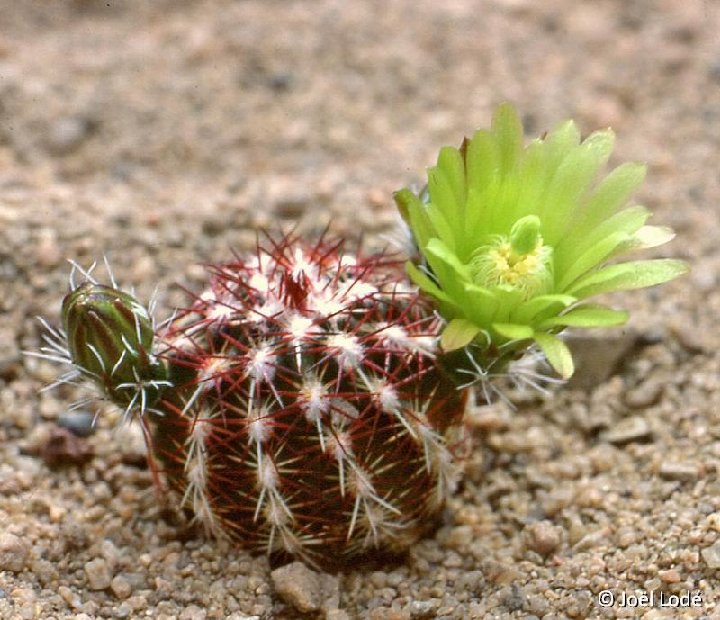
(597, 358)
(629, 430)
(593, 539)
(499, 573)
(14, 553)
(121, 587)
(692, 340)
(98, 574)
(681, 472)
(304, 589)
(643, 396)
(669, 576)
(292, 206)
(67, 134)
(711, 555)
(543, 537)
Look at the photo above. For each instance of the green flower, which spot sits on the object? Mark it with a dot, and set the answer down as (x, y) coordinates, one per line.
(514, 239)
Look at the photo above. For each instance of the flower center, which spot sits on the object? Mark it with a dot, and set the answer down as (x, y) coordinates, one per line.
(520, 261)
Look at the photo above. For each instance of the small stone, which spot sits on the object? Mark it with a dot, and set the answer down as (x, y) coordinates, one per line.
(98, 574)
(692, 340)
(643, 396)
(543, 537)
(304, 589)
(72, 599)
(629, 430)
(121, 587)
(499, 573)
(681, 472)
(597, 358)
(79, 423)
(460, 537)
(193, 612)
(14, 553)
(669, 576)
(45, 571)
(67, 134)
(280, 81)
(378, 579)
(292, 206)
(592, 539)
(711, 555)
(48, 251)
(63, 448)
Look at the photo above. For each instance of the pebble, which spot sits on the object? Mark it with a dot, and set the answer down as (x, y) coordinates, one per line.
(14, 553)
(98, 574)
(121, 587)
(304, 589)
(681, 472)
(63, 448)
(543, 537)
(67, 134)
(460, 537)
(643, 396)
(597, 358)
(292, 206)
(629, 430)
(711, 555)
(70, 597)
(593, 539)
(669, 576)
(193, 612)
(80, 423)
(692, 340)
(48, 251)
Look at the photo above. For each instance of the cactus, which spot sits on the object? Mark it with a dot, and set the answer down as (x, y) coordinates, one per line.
(308, 401)
(295, 406)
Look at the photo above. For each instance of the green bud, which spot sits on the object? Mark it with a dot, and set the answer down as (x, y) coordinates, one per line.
(525, 235)
(110, 337)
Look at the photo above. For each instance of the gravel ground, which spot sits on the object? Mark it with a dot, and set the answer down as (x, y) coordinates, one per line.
(163, 134)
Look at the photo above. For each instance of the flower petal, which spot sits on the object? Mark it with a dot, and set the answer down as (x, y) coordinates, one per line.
(626, 276)
(612, 193)
(591, 258)
(513, 331)
(571, 181)
(557, 353)
(508, 131)
(457, 334)
(588, 316)
(425, 283)
(541, 307)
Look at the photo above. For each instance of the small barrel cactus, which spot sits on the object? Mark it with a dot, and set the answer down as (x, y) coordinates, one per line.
(296, 406)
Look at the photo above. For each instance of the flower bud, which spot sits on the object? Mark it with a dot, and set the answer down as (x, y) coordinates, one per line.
(110, 337)
(525, 235)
